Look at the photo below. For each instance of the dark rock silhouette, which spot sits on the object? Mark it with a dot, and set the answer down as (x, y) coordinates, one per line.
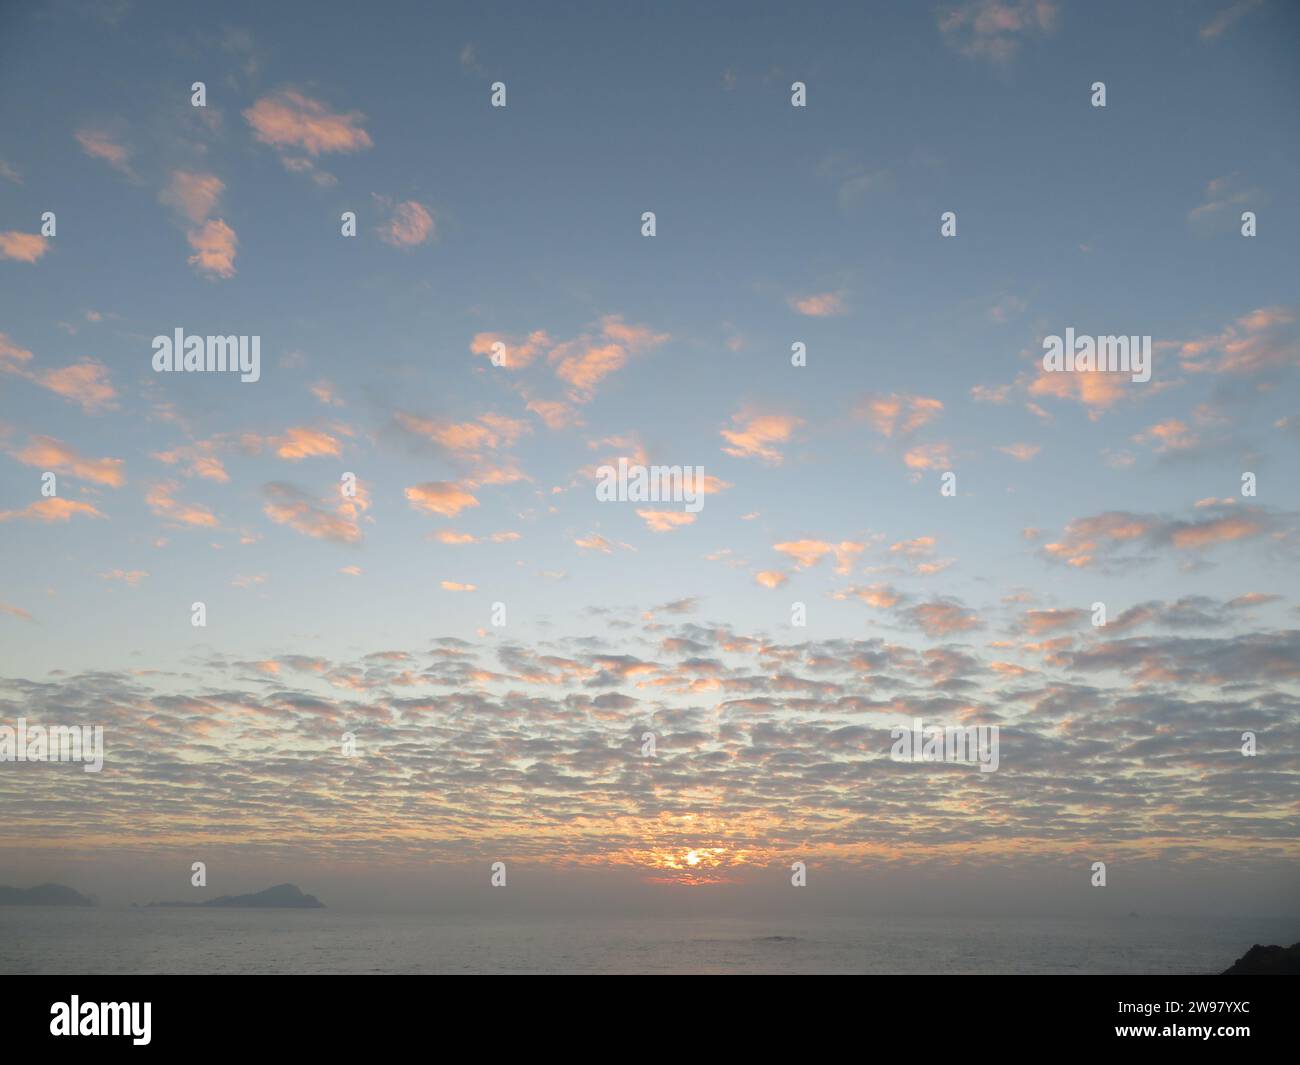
(43, 895)
(1267, 961)
(282, 896)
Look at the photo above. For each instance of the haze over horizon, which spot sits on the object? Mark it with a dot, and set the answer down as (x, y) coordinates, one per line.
(826, 592)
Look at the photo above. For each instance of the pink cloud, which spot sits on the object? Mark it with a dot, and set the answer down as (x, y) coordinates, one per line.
(440, 497)
(22, 247)
(821, 305)
(288, 119)
(897, 414)
(100, 145)
(45, 452)
(411, 224)
(56, 508)
(214, 245)
(756, 435)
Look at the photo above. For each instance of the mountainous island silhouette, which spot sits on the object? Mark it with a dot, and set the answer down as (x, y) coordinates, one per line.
(43, 895)
(282, 897)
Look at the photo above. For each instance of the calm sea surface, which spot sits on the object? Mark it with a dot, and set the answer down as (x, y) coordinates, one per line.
(76, 941)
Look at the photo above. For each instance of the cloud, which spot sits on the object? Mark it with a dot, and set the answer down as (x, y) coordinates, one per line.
(915, 548)
(771, 578)
(1222, 204)
(302, 442)
(1170, 435)
(554, 415)
(1215, 28)
(1038, 622)
(13, 359)
(1115, 537)
(518, 353)
(440, 497)
(195, 196)
(214, 245)
(580, 363)
(132, 577)
(199, 459)
(48, 453)
(290, 121)
(991, 393)
(85, 383)
(22, 247)
(160, 498)
(808, 553)
(584, 362)
(665, 520)
(993, 30)
(53, 509)
(1263, 340)
(410, 223)
(450, 536)
(596, 542)
(881, 596)
(936, 456)
(755, 435)
(1021, 452)
(820, 305)
(897, 414)
(1094, 390)
(99, 144)
(456, 586)
(335, 518)
(942, 618)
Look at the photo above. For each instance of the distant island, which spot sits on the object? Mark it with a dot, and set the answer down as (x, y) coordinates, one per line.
(282, 896)
(43, 895)
(1267, 961)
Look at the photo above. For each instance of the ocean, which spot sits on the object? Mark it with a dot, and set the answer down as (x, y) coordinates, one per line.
(48, 940)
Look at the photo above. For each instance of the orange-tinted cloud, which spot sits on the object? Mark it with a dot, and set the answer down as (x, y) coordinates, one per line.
(665, 520)
(48, 453)
(881, 596)
(1170, 435)
(22, 247)
(85, 383)
(936, 456)
(440, 497)
(290, 120)
(132, 577)
(808, 553)
(301, 443)
(194, 195)
(755, 435)
(100, 145)
(214, 245)
(940, 618)
(55, 508)
(1265, 339)
(161, 500)
(820, 305)
(897, 414)
(1095, 390)
(1021, 452)
(517, 353)
(411, 223)
(584, 362)
(325, 520)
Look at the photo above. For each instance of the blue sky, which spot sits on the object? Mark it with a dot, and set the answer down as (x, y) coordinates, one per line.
(775, 224)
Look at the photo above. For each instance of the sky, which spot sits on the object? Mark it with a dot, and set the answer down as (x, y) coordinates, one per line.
(497, 639)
